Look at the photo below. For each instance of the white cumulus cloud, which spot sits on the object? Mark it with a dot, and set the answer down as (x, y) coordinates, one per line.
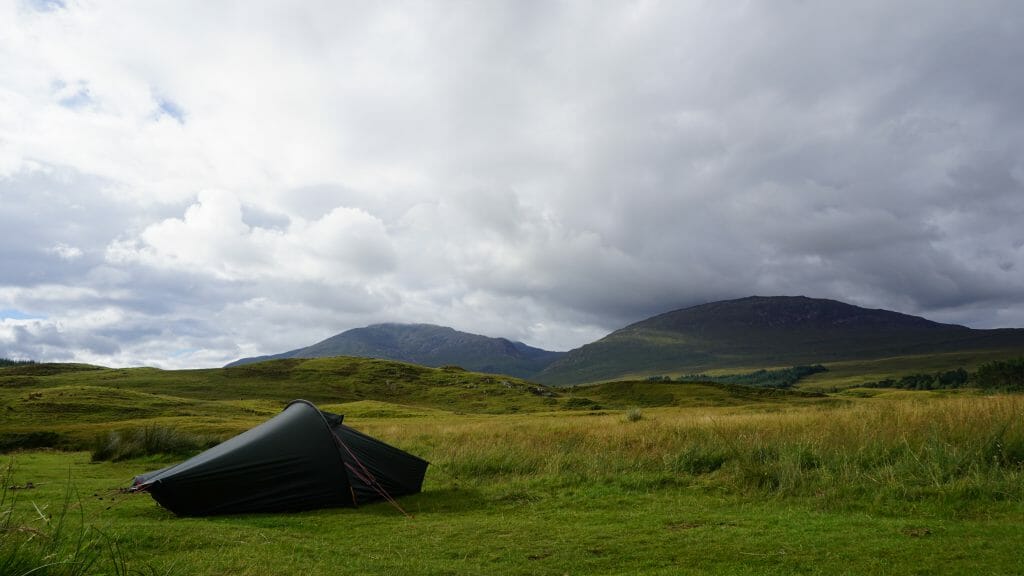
(188, 182)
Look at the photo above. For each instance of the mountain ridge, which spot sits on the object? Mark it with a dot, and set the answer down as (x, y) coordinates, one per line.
(755, 331)
(427, 345)
(764, 331)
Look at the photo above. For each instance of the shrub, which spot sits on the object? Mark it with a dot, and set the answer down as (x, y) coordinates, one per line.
(148, 441)
(1002, 375)
(1005, 449)
(579, 403)
(634, 415)
(698, 459)
(29, 441)
(937, 381)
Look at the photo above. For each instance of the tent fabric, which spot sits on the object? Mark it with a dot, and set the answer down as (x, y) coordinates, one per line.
(301, 459)
(388, 468)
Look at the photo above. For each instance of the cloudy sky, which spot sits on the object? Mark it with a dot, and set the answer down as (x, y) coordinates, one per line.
(186, 183)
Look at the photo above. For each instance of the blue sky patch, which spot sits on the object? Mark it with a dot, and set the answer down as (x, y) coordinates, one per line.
(45, 5)
(13, 314)
(168, 107)
(79, 99)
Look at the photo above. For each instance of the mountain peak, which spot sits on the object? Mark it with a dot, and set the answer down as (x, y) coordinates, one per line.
(428, 345)
(756, 331)
(763, 331)
(785, 312)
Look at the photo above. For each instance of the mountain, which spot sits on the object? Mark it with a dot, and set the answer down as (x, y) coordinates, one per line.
(427, 345)
(744, 334)
(765, 331)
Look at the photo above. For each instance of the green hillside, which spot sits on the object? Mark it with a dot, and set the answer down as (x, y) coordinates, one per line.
(764, 332)
(75, 400)
(67, 405)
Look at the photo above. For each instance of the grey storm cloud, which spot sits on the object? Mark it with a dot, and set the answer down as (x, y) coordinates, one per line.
(178, 193)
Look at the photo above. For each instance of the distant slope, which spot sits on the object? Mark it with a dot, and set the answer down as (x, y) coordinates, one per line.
(630, 394)
(765, 331)
(26, 393)
(427, 345)
(68, 405)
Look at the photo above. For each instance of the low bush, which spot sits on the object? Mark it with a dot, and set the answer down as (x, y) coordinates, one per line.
(698, 459)
(148, 441)
(937, 381)
(580, 403)
(9, 442)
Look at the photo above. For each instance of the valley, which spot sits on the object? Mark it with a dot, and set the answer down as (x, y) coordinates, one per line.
(635, 476)
(750, 466)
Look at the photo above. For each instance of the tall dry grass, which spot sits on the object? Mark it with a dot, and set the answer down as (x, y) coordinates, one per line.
(909, 447)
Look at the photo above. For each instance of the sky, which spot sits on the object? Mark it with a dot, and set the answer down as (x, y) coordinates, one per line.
(185, 183)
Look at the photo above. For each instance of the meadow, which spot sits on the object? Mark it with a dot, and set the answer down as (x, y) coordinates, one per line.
(684, 478)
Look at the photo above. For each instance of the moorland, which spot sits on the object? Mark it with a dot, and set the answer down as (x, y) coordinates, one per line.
(652, 475)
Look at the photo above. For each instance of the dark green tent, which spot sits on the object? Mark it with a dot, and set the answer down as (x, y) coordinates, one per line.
(301, 459)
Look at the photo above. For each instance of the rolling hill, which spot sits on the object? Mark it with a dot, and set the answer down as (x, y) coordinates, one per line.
(765, 331)
(70, 406)
(427, 345)
(70, 403)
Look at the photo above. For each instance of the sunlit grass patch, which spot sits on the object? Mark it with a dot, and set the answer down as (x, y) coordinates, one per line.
(54, 537)
(877, 447)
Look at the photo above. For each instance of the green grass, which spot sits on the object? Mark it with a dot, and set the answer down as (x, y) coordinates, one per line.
(806, 490)
(704, 478)
(78, 402)
(54, 538)
(318, 380)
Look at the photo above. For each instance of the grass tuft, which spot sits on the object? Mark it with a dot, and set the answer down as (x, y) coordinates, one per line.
(148, 441)
(11, 442)
(43, 541)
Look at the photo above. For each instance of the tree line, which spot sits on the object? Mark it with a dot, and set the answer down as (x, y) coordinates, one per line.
(781, 378)
(995, 375)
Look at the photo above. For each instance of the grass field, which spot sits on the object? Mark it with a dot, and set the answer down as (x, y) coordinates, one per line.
(661, 478)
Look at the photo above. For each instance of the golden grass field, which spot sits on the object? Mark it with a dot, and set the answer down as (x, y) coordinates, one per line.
(690, 479)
